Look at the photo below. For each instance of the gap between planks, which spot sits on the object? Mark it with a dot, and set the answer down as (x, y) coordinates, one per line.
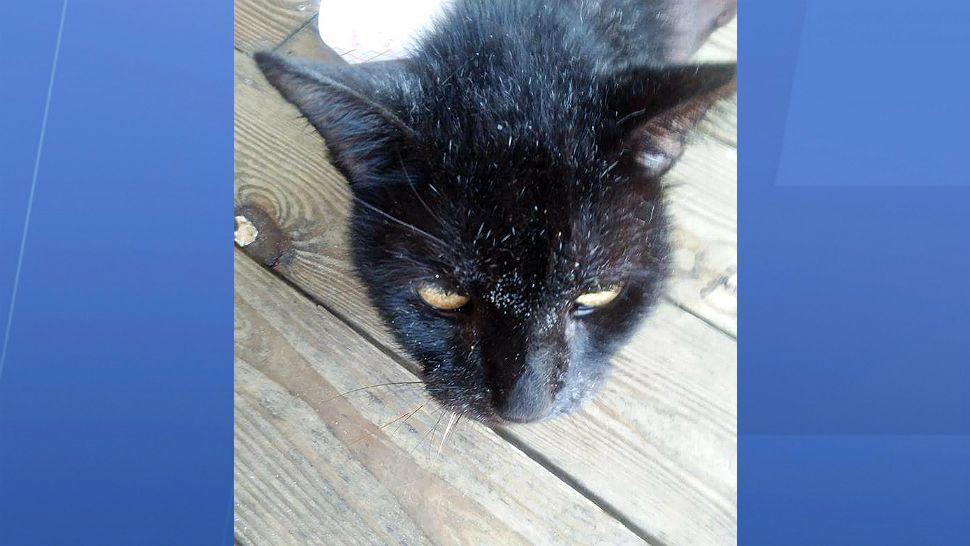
(264, 291)
(559, 473)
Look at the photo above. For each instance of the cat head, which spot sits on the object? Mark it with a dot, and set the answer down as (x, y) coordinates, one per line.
(511, 235)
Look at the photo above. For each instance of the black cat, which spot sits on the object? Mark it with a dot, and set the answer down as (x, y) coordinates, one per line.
(509, 218)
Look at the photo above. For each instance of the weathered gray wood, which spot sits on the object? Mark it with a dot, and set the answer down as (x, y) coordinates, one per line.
(306, 43)
(658, 445)
(722, 46)
(314, 467)
(704, 204)
(281, 171)
(264, 24)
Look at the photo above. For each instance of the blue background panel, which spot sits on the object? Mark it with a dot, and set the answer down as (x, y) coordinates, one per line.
(116, 393)
(854, 376)
(811, 490)
(854, 316)
(854, 249)
(880, 96)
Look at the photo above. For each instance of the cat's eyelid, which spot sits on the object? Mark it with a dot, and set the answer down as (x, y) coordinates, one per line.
(439, 282)
(606, 281)
(441, 297)
(599, 298)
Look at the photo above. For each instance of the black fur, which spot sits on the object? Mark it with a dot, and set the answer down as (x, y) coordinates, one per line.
(514, 157)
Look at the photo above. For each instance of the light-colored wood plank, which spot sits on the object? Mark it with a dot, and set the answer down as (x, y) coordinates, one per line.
(721, 122)
(282, 171)
(722, 46)
(306, 43)
(703, 204)
(314, 467)
(264, 24)
(660, 441)
(658, 444)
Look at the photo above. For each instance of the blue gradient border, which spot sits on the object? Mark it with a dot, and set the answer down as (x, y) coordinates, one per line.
(854, 346)
(116, 390)
(854, 377)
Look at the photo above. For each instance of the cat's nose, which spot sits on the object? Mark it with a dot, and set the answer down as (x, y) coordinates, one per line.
(518, 371)
(526, 400)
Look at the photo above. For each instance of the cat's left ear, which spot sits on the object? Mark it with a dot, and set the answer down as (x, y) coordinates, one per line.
(364, 136)
(657, 108)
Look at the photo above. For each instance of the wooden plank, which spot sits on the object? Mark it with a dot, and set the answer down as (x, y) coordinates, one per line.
(314, 467)
(703, 204)
(658, 445)
(264, 24)
(283, 153)
(722, 46)
(306, 43)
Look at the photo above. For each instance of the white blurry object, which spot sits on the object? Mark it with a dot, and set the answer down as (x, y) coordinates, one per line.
(375, 30)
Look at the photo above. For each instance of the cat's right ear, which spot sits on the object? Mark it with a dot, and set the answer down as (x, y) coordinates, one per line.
(657, 108)
(363, 136)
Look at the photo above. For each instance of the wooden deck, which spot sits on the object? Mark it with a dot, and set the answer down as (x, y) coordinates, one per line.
(651, 459)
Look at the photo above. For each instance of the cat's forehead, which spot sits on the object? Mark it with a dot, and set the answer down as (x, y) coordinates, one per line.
(524, 228)
(525, 255)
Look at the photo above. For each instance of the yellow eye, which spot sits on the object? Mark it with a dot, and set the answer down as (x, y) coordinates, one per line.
(442, 299)
(599, 299)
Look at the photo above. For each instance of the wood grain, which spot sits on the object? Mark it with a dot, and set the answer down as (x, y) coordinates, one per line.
(314, 467)
(306, 43)
(659, 441)
(264, 24)
(722, 46)
(658, 445)
(703, 203)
